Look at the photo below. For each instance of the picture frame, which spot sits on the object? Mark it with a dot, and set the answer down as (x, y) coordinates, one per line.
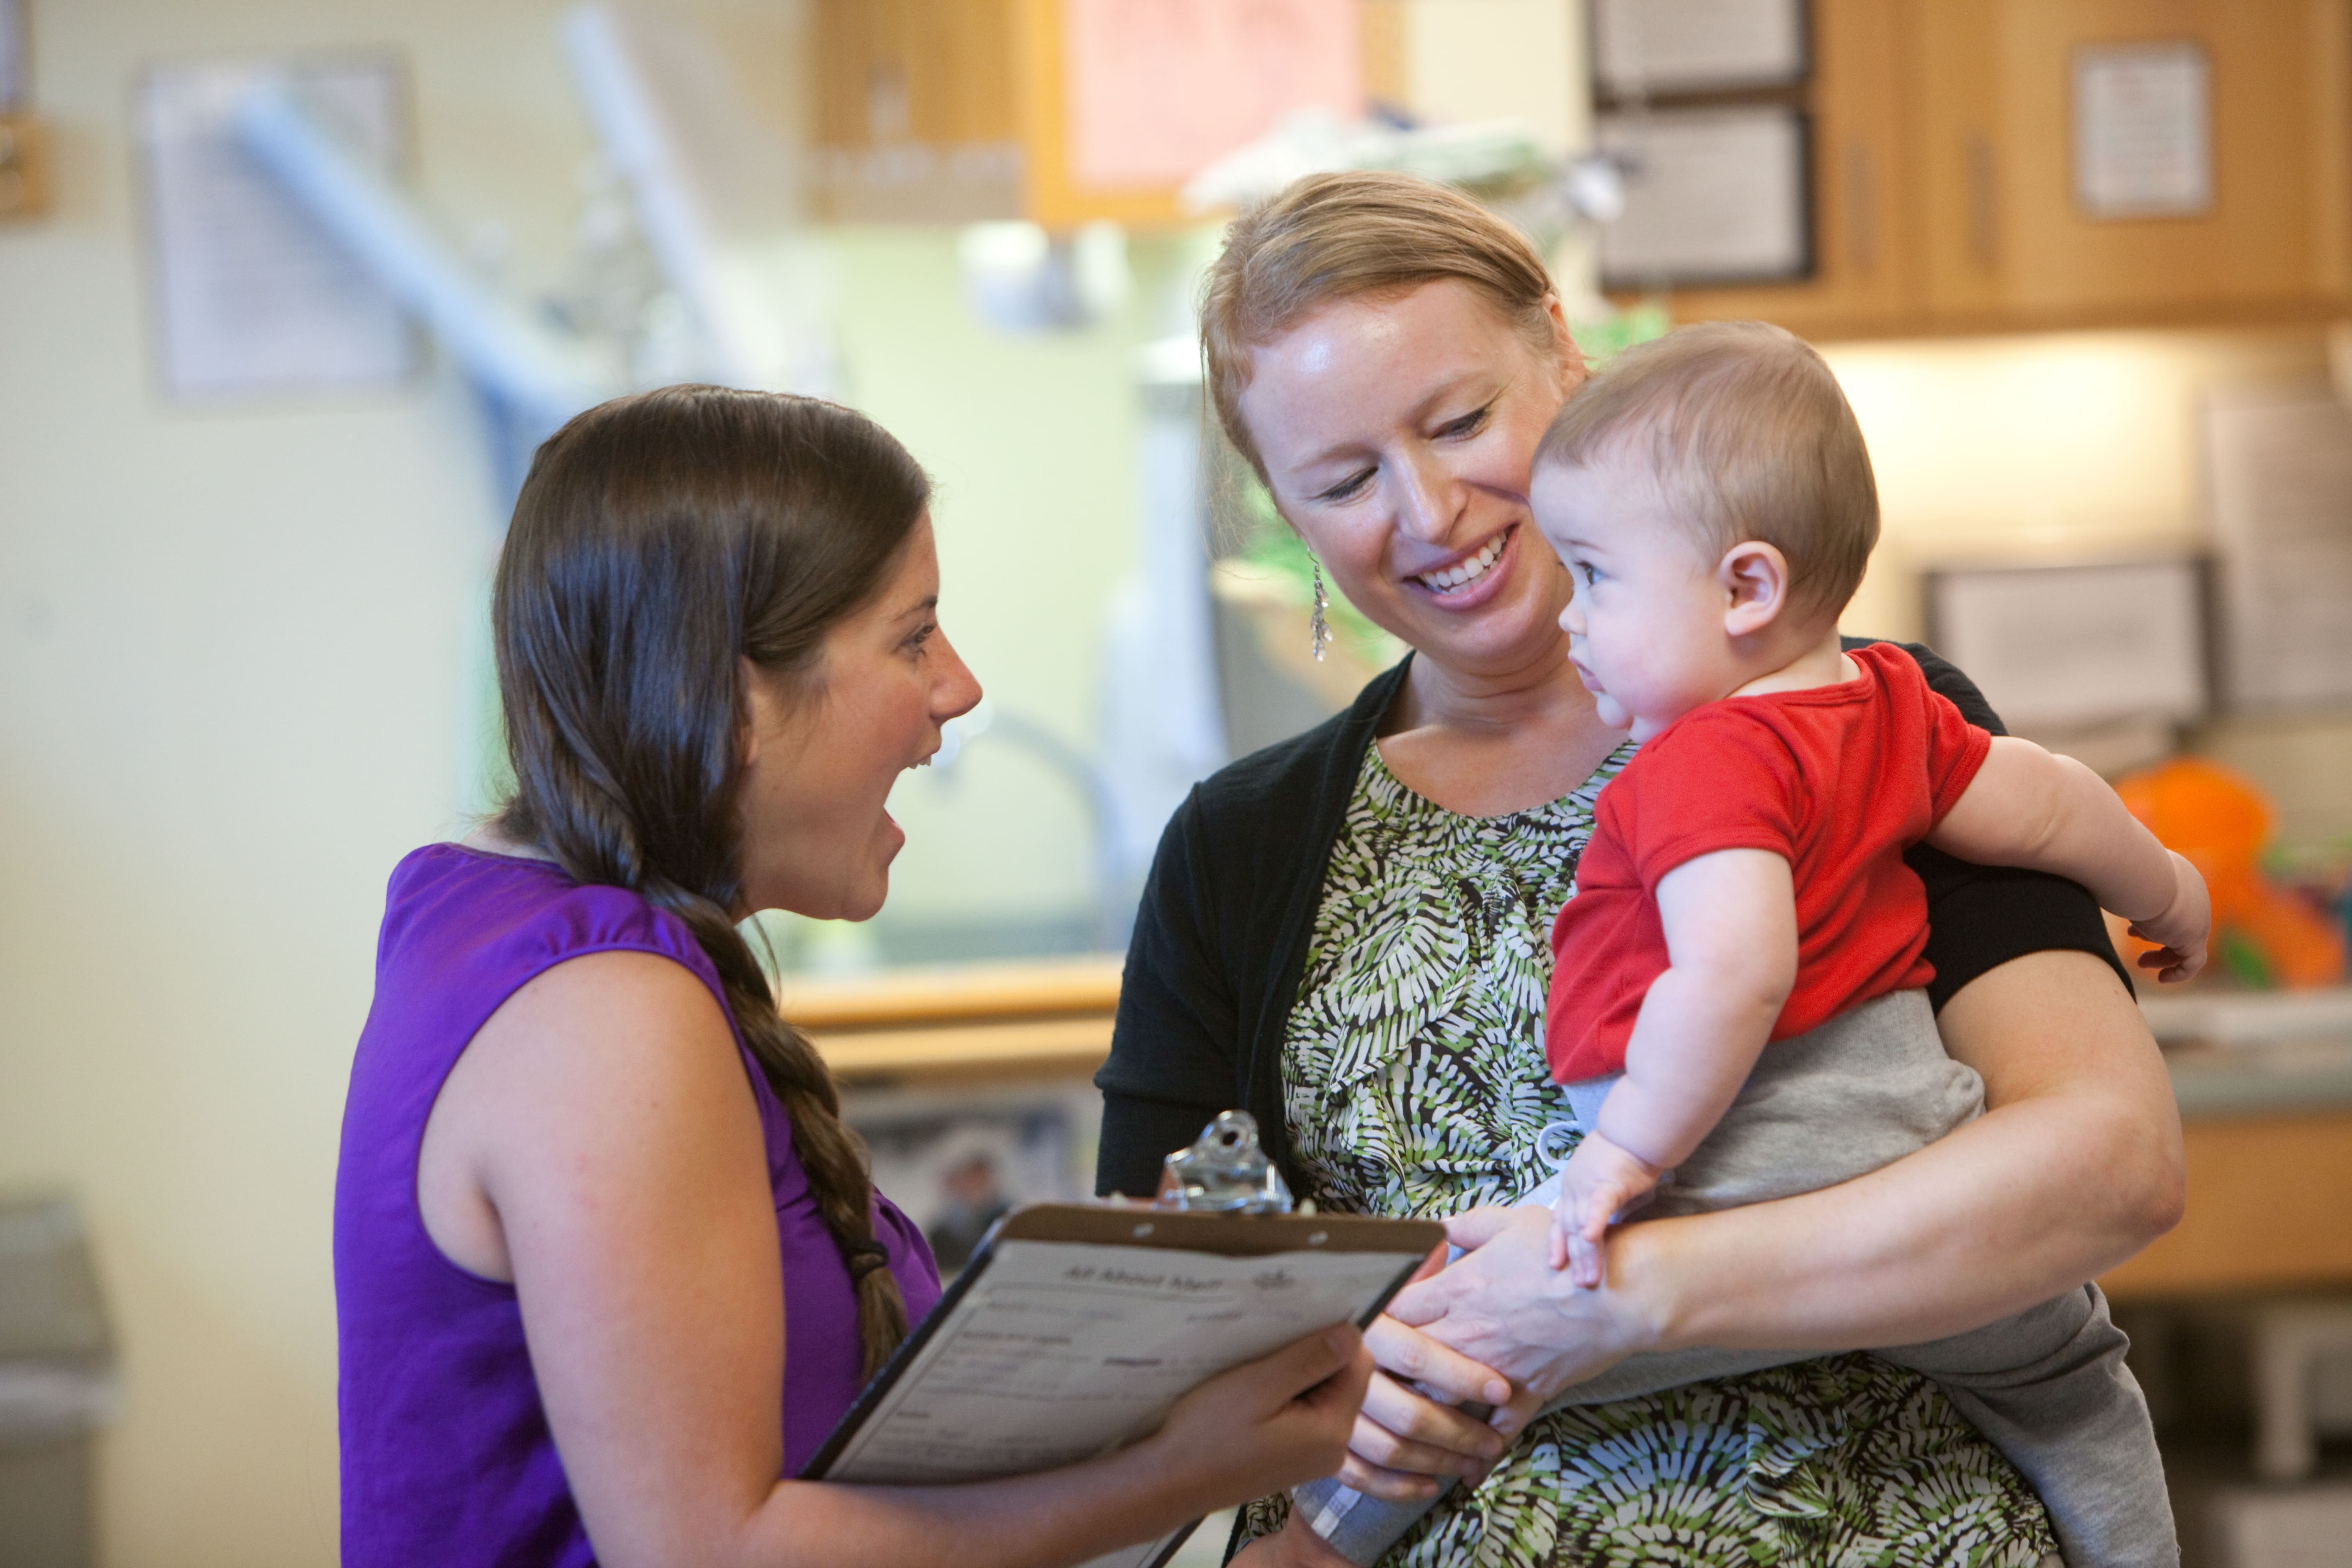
(2060, 648)
(1714, 194)
(1650, 49)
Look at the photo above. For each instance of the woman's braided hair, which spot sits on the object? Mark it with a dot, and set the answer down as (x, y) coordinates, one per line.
(660, 540)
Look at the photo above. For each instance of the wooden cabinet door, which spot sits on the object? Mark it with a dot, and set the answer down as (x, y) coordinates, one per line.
(2005, 240)
(2270, 1207)
(950, 110)
(1866, 277)
(918, 114)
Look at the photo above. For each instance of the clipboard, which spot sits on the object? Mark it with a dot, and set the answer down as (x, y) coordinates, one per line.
(1076, 1327)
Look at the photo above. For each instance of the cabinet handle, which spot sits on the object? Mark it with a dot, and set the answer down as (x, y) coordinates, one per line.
(1861, 209)
(1984, 199)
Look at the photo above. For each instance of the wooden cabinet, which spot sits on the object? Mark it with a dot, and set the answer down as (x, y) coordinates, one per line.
(2270, 1208)
(1945, 186)
(2003, 233)
(918, 109)
(1863, 265)
(950, 110)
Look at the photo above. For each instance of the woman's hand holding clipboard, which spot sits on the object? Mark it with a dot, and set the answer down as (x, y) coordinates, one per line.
(1078, 1329)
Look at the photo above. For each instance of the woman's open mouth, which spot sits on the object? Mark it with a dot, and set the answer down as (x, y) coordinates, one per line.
(1465, 574)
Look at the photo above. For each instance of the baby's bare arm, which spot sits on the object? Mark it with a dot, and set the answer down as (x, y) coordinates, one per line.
(1730, 920)
(2030, 808)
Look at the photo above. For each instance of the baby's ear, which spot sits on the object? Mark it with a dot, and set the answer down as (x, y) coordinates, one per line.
(1755, 578)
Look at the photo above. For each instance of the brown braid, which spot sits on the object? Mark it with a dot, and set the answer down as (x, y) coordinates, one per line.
(659, 540)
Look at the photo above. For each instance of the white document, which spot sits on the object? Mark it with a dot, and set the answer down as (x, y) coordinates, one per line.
(1649, 47)
(1061, 1352)
(2278, 472)
(2058, 647)
(2143, 130)
(1711, 195)
(254, 296)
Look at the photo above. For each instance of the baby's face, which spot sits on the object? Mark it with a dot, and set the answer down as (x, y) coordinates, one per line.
(1645, 629)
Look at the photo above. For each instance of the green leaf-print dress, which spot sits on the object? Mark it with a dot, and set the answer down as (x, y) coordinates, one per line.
(1414, 1084)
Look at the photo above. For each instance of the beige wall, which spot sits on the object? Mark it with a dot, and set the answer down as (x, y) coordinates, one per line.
(2070, 447)
(230, 661)
(1467, 61)
(1489, 60)
(2051, 447)
(236, 678)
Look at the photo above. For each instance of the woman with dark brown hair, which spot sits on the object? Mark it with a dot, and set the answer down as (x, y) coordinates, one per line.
(1347, 935)
(608, 1264)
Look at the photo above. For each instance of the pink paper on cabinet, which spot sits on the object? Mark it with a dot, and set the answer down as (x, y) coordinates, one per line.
(1158, 89)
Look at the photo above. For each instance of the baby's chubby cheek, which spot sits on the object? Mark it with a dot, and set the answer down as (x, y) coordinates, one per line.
(1612, 711)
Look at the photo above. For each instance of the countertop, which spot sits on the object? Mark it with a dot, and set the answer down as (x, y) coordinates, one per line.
(2256, 1053)
(2264, 1083)
(2231, 1054)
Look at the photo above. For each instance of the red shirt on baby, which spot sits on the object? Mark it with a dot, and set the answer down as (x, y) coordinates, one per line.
(1839, 781)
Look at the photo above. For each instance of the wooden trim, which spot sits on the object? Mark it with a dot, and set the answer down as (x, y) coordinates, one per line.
(1388, 64)
(24, 167)
(1025, 1049)
(1045, 988)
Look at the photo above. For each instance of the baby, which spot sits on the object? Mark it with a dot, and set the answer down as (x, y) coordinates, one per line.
(1737, 1008)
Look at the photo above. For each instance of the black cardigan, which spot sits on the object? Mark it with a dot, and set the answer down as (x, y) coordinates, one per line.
(1221, 939)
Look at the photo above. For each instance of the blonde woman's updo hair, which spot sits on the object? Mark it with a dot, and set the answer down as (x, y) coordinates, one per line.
(1333, 236)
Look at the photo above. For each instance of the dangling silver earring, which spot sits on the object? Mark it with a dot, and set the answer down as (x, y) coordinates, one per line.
(1319, 630)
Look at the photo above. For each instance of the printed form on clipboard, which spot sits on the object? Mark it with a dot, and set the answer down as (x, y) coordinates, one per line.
(1077, 1327)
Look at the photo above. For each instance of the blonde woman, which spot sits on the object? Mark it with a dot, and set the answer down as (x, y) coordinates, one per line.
(1346, 933)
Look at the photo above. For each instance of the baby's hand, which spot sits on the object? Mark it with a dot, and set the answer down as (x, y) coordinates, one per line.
(2181, 931)
(1600, 1181)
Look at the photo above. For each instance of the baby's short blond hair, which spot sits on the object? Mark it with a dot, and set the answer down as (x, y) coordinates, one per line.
(1750, 437)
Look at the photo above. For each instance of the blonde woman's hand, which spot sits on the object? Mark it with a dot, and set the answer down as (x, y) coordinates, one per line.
(1411, 1436)
(1503, 1304)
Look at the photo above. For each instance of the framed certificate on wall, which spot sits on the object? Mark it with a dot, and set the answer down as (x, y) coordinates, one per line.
(1645, 48)
(253, 297)
(1712, 196)
(2064, 646)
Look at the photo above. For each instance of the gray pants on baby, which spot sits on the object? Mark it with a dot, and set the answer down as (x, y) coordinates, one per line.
(2048, 1386)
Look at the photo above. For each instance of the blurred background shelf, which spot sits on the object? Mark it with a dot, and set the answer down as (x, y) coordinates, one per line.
(2266, 1107)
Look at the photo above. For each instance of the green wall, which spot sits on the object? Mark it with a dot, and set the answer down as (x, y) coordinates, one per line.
(1032, 442)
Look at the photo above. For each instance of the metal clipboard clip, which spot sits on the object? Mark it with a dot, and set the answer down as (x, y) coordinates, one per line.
(1224, 1171)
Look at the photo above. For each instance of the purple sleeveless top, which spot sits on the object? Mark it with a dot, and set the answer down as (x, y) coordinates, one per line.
(446, 1455)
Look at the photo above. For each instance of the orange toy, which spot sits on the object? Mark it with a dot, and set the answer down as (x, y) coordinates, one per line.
(2221, 823)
